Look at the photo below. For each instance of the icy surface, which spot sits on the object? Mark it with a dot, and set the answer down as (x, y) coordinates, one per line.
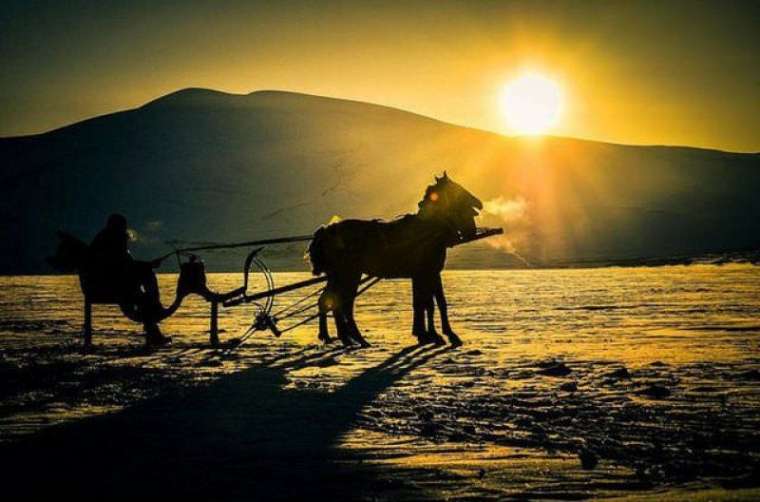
(570, 383)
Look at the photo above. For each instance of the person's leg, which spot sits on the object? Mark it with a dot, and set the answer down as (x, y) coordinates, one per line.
(150, 303)
(148, 282)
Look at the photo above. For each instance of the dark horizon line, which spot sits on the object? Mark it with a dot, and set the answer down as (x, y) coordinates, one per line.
(584, 264)
(348, 100)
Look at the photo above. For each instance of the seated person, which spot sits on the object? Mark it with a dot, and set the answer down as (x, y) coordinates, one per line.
(109, 257)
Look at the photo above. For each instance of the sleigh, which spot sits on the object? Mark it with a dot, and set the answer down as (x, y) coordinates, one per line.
(99, 288)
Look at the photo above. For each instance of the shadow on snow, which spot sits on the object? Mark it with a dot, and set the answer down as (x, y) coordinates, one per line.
(244, 436)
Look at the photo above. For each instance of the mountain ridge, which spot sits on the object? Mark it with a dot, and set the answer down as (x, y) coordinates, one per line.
(220, 94)
(199, 164)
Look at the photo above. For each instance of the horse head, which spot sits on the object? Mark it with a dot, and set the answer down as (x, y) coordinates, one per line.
(448, 201)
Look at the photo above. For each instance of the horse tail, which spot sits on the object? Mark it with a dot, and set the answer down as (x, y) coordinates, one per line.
(317, 255)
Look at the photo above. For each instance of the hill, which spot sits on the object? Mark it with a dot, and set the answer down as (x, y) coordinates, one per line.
(201, 165)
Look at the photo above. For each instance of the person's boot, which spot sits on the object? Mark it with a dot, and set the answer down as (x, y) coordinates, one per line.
(154, 337)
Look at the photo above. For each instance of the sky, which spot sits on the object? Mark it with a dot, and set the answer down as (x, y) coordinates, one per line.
(635, 72)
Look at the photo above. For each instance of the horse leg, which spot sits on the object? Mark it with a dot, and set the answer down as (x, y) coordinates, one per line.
(324, 333)
(337, 299)
(427, 284)
(440, 299)
(418, 304)
(432, 334)
(349, 293)
(341, 326)
(325, 304)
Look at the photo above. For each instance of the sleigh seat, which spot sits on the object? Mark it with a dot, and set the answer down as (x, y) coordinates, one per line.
(102, 288)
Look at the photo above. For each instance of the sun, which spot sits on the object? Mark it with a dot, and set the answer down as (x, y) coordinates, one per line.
(531, 103)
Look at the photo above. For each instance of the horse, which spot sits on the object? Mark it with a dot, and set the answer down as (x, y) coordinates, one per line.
(412, 246)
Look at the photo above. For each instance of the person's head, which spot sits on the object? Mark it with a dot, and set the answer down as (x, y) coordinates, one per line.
(117, 222)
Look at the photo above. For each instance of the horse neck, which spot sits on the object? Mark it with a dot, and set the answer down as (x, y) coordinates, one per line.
(435, 226)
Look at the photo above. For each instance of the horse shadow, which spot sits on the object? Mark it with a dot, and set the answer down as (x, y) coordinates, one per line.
(243, 437)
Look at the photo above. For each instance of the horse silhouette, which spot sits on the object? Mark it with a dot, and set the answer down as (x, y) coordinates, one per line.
(412, 246)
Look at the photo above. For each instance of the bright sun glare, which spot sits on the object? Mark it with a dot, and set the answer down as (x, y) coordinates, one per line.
(531, 103)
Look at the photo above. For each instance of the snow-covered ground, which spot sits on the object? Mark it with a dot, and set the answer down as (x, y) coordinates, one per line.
(571, 383)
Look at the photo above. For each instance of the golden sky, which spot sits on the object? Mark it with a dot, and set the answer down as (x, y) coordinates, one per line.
(649, 72)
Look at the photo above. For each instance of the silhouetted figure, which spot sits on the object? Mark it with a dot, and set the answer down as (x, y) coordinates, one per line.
(413, 246)
(109, 257)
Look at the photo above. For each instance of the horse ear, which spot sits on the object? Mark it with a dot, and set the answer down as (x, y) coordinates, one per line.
(436, 178)
(445, 176)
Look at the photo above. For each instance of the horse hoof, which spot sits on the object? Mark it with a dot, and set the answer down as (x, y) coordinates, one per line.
(455, 341)
(435, 339)
(153, 342)
(424, 340)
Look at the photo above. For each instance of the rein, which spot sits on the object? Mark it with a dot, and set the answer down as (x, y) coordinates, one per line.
(232, 245)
